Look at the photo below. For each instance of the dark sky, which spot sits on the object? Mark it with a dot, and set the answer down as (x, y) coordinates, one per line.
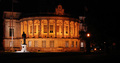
(102, 16)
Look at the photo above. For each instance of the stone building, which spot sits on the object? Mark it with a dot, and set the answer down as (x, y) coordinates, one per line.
(50, 32)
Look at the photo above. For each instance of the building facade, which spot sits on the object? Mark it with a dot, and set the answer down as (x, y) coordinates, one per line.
(51, 33)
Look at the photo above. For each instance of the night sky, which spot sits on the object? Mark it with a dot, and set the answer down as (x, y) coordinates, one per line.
(102, 17)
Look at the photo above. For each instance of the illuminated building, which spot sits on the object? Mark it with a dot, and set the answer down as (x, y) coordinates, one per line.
(54, 32)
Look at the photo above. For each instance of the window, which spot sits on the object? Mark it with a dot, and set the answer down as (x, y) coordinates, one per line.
(10, 32)
(45, 28)
(66, 29)
(72, 44)
(29, 43)
(30, 29)
(66, 44)
(34, 28)
(35, 43)
(76, 43)
(57, 28)
(51, 43)
(82, 44)
(11, 44)
(51, 28)
(44, 44)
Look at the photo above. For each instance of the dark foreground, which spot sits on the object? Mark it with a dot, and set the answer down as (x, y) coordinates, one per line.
(59, 57)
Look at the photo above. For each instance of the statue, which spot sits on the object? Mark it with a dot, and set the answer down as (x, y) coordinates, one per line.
(24, 48)
(24, 37)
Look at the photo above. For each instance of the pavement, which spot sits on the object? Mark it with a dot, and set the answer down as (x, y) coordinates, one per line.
(60, 57)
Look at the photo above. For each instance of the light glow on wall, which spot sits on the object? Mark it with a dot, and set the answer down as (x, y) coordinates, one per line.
(82, 44)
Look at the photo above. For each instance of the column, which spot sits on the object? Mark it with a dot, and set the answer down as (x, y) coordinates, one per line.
(55, 28)
(33, 28)
(63, 30)
(78, 30)
(69, 29)
(27, 29)
(74, 29)
(40, 29)
(47, 27)
(23, 27)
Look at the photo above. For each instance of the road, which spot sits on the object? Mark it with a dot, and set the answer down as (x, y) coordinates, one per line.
(59, 57)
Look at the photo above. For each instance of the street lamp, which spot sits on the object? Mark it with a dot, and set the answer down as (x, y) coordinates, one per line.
(88, 42)
(88, 34)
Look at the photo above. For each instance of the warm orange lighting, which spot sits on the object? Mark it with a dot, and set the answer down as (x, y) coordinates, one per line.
(88, 35)
(95, 49)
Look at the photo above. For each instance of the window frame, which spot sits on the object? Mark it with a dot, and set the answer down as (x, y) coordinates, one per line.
(51, 28)
(51, 43)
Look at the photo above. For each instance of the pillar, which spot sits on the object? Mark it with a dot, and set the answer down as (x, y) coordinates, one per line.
(78, 30)
(23, 27)
(74, 29)
(47, 28)
(33, 28)
(69, 29)
(27, 29)
(40, 29)
(55, 28)
(63, 30)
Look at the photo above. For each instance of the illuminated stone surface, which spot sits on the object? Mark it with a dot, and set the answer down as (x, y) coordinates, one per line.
(43, 33)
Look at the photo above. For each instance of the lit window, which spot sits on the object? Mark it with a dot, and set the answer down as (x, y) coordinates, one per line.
(35, 43)
(57, 28)
(72, 44)
(45, 28)
(29, 43)
(34, 28)
(11, 31)
(44, 44)
(66, 44)
(51, 43)
(82, 44)
(30, 29)
(66, 29)
(51, 28)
